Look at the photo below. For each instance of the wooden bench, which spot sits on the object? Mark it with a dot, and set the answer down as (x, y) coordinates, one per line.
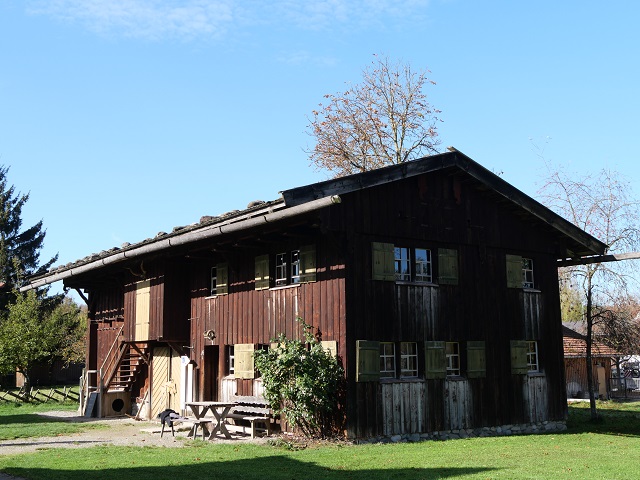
(254, 411)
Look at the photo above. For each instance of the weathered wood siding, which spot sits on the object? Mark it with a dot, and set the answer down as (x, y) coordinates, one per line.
(441, 211)
(246, 315)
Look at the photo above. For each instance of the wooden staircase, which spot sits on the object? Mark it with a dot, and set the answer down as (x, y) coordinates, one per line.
(127, 366)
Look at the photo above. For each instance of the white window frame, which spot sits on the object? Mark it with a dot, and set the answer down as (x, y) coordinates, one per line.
(402, 259)
(452, 353)
(231, 359)
(281, 269)
(527, 273)
(387, 355)
(408, 359)
(533, 364)
(423, 277)
(295, 266)
(214, 281)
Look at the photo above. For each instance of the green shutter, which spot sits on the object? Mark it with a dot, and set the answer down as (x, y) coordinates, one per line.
(308, 264)
(447, 266)
(222, 279)
(435, 360)
(383, 261)
(514, 271)
(519, 356)
(243, 355)
(367, 361)
(262, 272)
(476, 359)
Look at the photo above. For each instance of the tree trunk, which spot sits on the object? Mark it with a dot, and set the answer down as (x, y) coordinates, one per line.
(589, 360)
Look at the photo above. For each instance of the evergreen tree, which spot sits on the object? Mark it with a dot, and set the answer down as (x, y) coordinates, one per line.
(19, 248)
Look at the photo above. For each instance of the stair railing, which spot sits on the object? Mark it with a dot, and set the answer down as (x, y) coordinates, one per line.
(112, 360)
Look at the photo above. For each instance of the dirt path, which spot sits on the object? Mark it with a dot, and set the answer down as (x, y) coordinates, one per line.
(119, 431)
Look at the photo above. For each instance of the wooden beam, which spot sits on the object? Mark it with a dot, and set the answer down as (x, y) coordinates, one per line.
(616, 257)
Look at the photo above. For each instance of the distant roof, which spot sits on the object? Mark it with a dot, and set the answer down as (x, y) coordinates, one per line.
(575, 346)
(297, 201)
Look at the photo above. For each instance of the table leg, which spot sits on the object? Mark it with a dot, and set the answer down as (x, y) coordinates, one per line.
(220, 425)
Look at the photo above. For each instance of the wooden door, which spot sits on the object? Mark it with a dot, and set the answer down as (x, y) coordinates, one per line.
(143, 297)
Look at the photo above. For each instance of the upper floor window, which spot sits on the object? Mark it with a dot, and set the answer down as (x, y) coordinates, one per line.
(219, 279)
(387, 360)
(527, 273)
(288, 268)
(408, 359)
(519, 272)
(291, 268)
(413, 264)
(452, 352)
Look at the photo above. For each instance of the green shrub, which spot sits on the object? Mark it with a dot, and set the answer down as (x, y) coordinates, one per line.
(304, 383)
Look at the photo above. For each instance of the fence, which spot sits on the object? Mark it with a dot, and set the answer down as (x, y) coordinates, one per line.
(625, 387)
(40, 395)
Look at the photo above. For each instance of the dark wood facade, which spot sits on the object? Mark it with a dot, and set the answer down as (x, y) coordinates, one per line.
(469, 220)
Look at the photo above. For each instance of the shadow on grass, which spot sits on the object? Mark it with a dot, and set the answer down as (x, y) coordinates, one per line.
(28, 418)
(271, 467)
(615, 418)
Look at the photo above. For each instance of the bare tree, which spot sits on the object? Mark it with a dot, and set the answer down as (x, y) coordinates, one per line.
(384, 120)
(601, 205)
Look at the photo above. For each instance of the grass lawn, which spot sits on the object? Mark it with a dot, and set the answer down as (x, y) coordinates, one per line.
(18, 420)
(608, 450)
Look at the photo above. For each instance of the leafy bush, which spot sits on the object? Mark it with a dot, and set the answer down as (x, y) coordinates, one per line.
(304, 382)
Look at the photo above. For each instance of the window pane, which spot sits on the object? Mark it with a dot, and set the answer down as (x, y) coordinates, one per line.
(408, 359)
(423, 265)
(387, 360)
(295, 266)
(281, 269)
(402, 263)
(532, 356)
(527, 273)
(452, 350)
(213, 281)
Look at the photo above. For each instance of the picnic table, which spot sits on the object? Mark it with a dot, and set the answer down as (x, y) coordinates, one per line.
(220, 411)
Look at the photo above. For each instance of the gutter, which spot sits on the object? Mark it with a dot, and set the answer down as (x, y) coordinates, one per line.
(204, 233)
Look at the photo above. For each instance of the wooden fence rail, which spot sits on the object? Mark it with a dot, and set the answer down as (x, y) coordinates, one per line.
(40, 396)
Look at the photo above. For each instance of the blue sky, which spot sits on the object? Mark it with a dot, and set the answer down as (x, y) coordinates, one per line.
(125, 118)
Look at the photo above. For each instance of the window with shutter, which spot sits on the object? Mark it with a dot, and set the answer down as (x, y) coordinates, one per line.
(435, 359)
(308, 264)
(262, 272)
(367, 361)
(243, 360)
(447, 266)
(514, 271)
(383, 261)
(222, 279)
(476, 359)
(519, 349)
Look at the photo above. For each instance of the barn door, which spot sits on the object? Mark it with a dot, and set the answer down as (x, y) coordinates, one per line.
(165, 380)
(143, 297)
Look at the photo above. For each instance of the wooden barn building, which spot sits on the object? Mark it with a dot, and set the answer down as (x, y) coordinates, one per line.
(434, 282)
(575, 364)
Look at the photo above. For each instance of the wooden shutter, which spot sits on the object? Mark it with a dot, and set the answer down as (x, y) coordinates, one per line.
(519, 356)
(367, 361)
(383, 261)
(447, 266)
(476, 359)
(262, 272)
(243, 360)
(435, 359)
(514, 271)
(308, 264)
(222, 279)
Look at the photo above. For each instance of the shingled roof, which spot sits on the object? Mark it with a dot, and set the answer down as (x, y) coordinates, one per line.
(575, 346)
(300, 200)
